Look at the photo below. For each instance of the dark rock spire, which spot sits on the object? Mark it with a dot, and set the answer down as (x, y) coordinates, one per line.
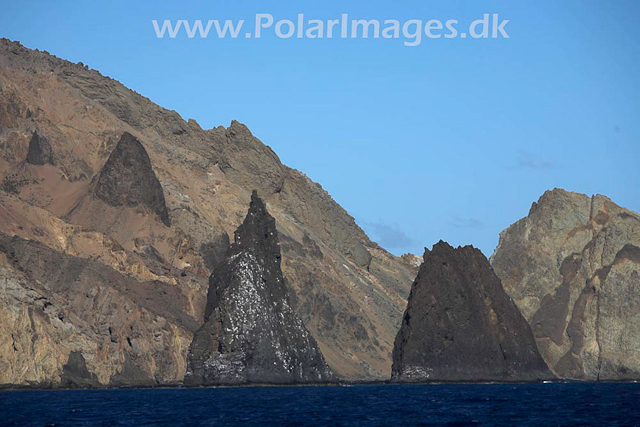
(251, 334)
(127, 179)
(460, 325)
(40, 152)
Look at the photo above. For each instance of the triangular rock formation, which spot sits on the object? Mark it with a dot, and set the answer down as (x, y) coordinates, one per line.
(40, 152)
(460, 325)
(127, 179)
(75, 373)
(251, 334)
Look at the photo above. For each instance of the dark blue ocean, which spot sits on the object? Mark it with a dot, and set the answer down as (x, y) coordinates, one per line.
(449, 405)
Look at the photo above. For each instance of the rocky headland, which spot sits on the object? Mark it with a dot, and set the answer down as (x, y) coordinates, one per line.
(573, 268)
(140, 201)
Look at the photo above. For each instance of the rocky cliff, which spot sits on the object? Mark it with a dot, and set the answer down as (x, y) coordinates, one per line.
(72, 321)
(251, 334)
(93, 194)
(460, 325)
(573, 267)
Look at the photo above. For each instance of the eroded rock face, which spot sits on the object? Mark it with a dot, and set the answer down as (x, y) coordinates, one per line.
(251, 334)
(460, 325)
(72, 322)
(127, 179)
(573, 267)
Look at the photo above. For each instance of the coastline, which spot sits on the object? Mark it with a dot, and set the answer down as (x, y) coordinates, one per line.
(11, 387)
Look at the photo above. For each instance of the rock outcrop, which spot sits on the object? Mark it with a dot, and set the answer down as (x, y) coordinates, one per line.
(127, 179)
(460, 325)
(75, 373)
(251, 334)
(39, 151)
(573, 267)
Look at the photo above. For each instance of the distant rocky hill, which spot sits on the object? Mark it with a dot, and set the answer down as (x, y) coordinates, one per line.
(460, 325)
(573, 267)
(127, 198)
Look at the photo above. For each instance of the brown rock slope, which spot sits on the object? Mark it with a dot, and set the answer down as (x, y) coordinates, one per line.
(460, 325)
(573, 267)
(349, 292)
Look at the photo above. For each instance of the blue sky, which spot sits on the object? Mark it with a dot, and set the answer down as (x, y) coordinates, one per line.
(452, 139)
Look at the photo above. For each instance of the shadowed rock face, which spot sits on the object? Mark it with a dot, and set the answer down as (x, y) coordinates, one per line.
(127, 179)
(39, 151)
(573, 268)
(460, 325)
(214, 251)
(251, 334)
(75, 373)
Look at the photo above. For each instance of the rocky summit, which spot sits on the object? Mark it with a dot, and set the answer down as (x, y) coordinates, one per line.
(460, 325)
(251, 334)
(573, 267)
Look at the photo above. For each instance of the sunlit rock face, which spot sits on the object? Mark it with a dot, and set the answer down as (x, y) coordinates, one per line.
(67, 321)
(251, 334)
(573, 268)
(460, 325)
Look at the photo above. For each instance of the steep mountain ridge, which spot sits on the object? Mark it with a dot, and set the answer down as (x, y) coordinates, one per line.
(349, 292)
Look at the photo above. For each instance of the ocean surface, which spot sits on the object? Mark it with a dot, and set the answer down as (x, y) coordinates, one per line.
(558, 404)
